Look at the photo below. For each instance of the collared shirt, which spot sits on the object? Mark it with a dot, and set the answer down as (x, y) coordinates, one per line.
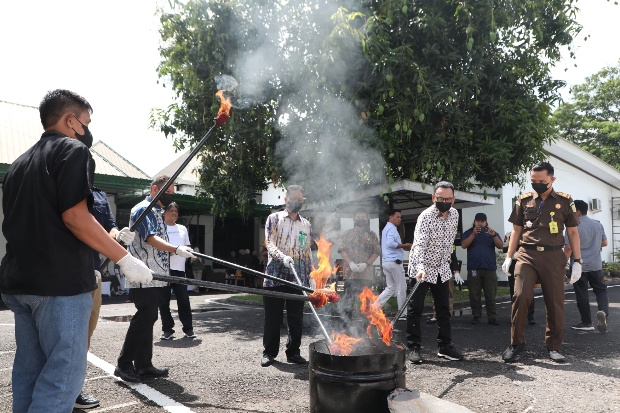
(285, 237)
(591, 236)
(432, 244)
(103, 214)
(158, 261)
(481, 251)
(360, 245)
(43, 257)
(534, 216)
(390, 238)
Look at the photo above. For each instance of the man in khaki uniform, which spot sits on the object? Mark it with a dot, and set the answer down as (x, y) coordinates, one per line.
(539, 219)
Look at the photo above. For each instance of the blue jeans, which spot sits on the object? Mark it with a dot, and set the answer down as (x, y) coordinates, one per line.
(51, 334)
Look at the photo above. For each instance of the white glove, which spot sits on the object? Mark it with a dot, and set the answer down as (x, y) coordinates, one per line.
(97, 275)
(288, 261)
(575, 274)
(458, 279)
(135, 270)
(312, 283)
(361, 267)
(506, 266)
(353, 267)
(125, 236)
(184, 251)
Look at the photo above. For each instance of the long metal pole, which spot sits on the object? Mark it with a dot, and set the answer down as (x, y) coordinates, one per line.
(256, 273)
(401, 310)
(229, 287)
(329, 340)
(164, 188)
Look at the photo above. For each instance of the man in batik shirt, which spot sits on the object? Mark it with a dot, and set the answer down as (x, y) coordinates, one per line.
(288, 236)
(359, 248)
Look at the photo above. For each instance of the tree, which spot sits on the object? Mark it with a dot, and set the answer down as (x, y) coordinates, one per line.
(342, 94)
(592, 118)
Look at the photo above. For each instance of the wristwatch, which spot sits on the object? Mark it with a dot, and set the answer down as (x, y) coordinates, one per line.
(578, 260)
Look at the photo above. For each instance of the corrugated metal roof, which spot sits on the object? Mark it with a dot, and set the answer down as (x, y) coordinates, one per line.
(189, 175)
(20, 128)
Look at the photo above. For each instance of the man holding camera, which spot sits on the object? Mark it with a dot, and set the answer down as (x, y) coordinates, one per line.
(480, 242)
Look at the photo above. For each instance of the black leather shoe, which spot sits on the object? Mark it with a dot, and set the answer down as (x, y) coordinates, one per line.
(127, 374)
(532, 322)
(493, 321)
(296, 359)
(152, 372)
(476, 320)
(84, 401)
(511, 353)
(267, 360)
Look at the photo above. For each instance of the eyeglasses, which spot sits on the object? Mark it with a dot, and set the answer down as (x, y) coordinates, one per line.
(440, 199)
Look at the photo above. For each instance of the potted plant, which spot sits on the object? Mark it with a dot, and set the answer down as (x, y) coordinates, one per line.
(614, 270)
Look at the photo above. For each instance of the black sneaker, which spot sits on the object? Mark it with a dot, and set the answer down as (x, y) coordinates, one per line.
(493, 321)
(449, 353)
(167, 335)
(583, 327)
(431, 321)
(532, 322)
(511, 353)
(602, 321)
(476, 320)
(190, 334)
(84, 401)
(414, 355)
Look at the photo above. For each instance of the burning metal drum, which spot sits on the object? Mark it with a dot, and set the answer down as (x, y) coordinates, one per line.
(359, 382)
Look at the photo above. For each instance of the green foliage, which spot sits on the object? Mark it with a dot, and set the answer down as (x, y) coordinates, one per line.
(447, 89)
(592, 118)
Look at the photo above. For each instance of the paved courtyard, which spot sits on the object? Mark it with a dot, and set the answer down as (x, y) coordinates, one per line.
(220, 370)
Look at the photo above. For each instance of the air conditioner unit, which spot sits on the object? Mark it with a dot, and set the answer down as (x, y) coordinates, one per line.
(595, 204)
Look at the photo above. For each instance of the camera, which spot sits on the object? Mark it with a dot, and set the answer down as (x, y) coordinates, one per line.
(484, 229)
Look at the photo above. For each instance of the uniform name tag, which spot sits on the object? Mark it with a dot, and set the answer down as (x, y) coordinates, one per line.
(553, 227)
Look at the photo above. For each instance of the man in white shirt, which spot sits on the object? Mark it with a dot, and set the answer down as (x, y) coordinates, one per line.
(177, 235)
(429, 263)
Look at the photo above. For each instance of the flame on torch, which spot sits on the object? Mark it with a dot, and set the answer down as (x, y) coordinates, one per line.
(224, 112)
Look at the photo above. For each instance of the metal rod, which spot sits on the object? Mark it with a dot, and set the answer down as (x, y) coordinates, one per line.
(401, 310)
(329, 340)
(229, 287)
(256, 273)
(164, 188)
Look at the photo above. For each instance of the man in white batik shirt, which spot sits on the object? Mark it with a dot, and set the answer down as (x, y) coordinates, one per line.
(429, 263)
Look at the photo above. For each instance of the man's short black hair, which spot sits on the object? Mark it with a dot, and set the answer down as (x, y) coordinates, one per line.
(544, 166)
(393, 212)
(160, 180)
(57, 103)
(292, 188)
(360, 211)
(581, 206)
(444, 184)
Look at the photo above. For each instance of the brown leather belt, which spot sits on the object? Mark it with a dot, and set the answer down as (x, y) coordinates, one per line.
(542, 247)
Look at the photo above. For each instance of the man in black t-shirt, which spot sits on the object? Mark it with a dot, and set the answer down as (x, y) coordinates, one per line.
(46, 195)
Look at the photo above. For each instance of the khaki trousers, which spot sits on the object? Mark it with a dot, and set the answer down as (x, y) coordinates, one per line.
(94, 312)
(548, 266)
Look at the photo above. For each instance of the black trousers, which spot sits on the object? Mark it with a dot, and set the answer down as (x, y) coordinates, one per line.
(441, 295)
(511, 285)
(274, 309)
(138, 346)
(595, 278)
(185, 310)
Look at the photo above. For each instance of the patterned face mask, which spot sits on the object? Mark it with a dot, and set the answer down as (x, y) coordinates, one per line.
(302, 239)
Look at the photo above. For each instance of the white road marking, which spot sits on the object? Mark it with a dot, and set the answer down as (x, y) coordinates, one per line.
(150, 393)
(117, 406)
(8, 324)
(7, 352)
(98, 377)
(208, 300)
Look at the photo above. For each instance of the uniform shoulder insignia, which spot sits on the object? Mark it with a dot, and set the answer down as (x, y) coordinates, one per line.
(526, 195)
(564, 194)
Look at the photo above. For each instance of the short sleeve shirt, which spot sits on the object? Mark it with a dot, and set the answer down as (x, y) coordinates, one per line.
(591, 236)
(360, 245)
(103, 214)
(158, 261)
(534, 215)
(177, 235)
(481, 251)
(43, 257)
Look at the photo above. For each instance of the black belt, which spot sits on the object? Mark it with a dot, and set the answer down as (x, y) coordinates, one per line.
(542, 247)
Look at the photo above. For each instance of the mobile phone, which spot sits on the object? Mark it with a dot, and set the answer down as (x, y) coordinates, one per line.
(484, 229)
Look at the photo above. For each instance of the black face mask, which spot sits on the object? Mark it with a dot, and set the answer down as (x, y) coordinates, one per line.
(540, 188)
(166, 199)
(87, 138)
(443, 206)
(360, 223)
(294, 206)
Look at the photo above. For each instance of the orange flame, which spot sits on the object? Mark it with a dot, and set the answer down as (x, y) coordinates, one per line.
(225, 104)
(343, 344)
(321, 275)
(375, 315)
